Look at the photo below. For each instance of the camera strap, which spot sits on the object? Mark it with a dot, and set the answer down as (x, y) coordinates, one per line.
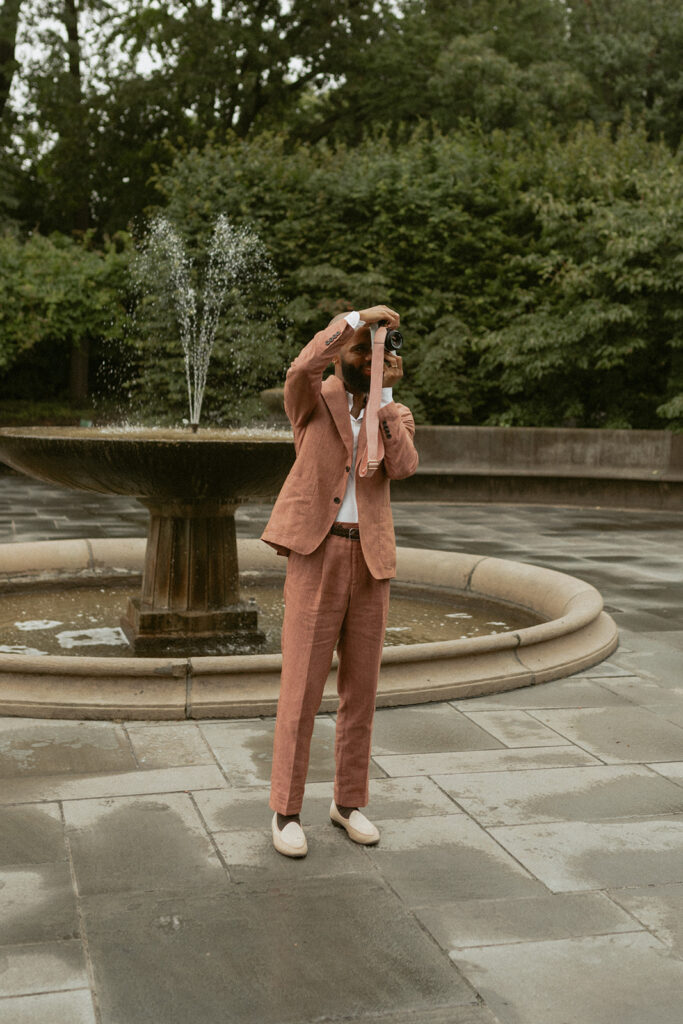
(375, 449)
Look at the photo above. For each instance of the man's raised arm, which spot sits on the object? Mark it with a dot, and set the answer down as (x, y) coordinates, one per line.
(304, 376)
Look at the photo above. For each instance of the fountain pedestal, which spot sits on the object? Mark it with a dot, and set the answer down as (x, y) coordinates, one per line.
(192, 484)
(189, 603)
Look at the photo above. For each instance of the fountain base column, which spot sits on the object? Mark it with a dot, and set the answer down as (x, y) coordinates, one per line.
(190, 603)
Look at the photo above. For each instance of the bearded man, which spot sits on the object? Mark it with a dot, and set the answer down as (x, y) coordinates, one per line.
(336, 529)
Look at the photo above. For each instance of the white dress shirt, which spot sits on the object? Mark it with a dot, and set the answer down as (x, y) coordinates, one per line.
(348, 510)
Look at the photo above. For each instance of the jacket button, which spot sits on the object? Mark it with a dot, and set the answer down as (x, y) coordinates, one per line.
(348, 469)
(337, 500)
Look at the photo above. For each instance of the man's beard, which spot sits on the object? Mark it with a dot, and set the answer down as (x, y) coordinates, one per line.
(354, 378)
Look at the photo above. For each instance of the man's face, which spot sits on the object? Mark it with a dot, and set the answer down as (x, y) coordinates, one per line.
(356, 361)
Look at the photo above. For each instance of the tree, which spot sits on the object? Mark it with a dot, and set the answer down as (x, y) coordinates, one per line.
(9, 19)
(55, 294)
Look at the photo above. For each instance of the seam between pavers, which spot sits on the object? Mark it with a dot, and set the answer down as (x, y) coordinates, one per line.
(469, 712)
(458, 950)
(626, 819)
(81, 920)
(188, 689)
(507, 768)
(46, 992)
(478, 998)
(557, 732)
(221, 769)
(132, 748)
(651, 766)
(116, 796)
(574, 743)
(631, 913)
(211, 837)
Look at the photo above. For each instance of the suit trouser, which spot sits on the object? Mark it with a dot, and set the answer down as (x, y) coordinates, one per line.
(330, 598)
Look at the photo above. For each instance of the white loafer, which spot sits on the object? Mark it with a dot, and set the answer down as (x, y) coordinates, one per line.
(357, 826)
(290, 840)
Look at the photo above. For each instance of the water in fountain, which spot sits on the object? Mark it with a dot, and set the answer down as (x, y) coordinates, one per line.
(230, 292)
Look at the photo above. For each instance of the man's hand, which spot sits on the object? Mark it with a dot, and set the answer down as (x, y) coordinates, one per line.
(393, 370)
(376, 313)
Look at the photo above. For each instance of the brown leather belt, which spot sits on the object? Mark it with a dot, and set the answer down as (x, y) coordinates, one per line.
(352, 532)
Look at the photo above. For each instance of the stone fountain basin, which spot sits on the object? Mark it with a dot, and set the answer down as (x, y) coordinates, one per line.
(578, 633)
(233, 465)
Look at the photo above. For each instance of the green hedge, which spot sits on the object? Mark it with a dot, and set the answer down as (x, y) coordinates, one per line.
(539, 279)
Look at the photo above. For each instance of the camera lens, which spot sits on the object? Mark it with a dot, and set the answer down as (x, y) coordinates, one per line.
(393, 341)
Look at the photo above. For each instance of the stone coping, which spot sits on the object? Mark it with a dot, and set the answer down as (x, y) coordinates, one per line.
(538, 465)
(577, 634)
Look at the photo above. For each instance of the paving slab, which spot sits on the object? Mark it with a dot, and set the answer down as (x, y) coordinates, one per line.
(49, 1008)
(428, 728)
(465, 923)
(667, 638)
(672, 770)
(247, 807)
(255, 864)
(593, 980)
(664, 664)
(617, 735)
(574, 692)
(34, 747)
(570, 856)
(515, 728)
(169, 745)
(604, 670)
(146, 843)
(429, 860)
(86, 787)
(659, 908)
(334, 949)
(244, 750)
(645, 692)
(37, 904)
(562, 794)
(31, 834)
(469, 1014)
(43, 967)
(561, 756)
(672, 712)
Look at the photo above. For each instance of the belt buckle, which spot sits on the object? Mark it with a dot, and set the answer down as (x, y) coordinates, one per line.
(354, 533)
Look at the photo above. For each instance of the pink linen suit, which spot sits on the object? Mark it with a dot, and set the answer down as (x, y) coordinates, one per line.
(336, 589)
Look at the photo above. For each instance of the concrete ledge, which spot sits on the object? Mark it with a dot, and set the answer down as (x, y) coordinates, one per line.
(618, 468)
(577, 634)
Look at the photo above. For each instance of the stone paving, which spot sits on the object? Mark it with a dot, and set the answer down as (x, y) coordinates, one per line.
(530, 869)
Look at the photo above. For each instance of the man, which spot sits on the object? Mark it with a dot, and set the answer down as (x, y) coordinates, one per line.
(337, 530)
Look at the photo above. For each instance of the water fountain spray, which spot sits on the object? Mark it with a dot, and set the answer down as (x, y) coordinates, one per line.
(163, 264)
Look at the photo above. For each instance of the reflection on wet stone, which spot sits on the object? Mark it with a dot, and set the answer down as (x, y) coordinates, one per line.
(49, 747)
(141, 844)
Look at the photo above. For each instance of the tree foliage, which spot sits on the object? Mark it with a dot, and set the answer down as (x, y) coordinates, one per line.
(505, 172)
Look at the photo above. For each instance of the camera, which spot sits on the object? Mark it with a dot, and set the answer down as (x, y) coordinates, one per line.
(393, 339)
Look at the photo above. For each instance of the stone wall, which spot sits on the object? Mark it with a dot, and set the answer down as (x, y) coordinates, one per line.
(621, 468)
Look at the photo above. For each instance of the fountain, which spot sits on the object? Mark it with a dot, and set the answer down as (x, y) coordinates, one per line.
(200, 642)
(189, 601)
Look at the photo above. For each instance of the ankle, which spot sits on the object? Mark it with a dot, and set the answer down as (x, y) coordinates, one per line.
(284, 819)
(344, 810)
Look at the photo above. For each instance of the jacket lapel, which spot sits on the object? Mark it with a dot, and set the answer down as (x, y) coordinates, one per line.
(334, 393)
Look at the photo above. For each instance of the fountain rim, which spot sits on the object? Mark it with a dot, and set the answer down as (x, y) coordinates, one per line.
(155, 435)
(577, 634)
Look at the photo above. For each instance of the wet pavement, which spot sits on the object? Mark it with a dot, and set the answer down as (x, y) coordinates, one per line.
(530, 869)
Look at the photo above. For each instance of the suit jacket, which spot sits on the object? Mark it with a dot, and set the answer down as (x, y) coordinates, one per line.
(310, 497)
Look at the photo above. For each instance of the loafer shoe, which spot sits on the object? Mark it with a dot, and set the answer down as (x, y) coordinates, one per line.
(290, 840)
(357, 826)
